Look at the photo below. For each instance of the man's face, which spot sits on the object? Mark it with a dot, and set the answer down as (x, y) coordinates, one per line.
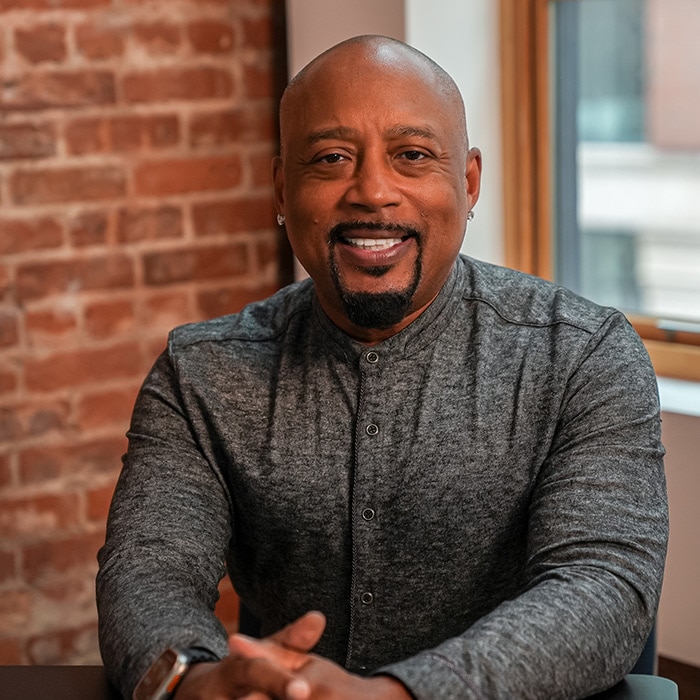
(375, 184)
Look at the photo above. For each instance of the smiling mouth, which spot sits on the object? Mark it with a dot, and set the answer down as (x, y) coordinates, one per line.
(373, 244)
(350, 233)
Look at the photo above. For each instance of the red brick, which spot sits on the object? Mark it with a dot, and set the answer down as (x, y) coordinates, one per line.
(52, 4)
(162, 131)
(109, 318)
(158, 38)
(167, 310)
(258, 81)
(9, 329)
(5, 479)
(37, 515)
(32, 420)
(258, 32)
(8, 380)
(155, 346)
(11, 653)
(98, 502)
(97, 457)
(53, 322)
(107, 408)
(149, 224)
(196, 264)
(89, 228)
(21, 235)
(50, 557)
(268, 250)
(61, 370)
(62, 647)
(8, 568)
(211, 36)
(41, 43)
(191, 83)
(121, 134)
(59, 89)
(15, 611)
(251, 213)
(7, 286)
(27, 141)
(36, 280)
(178, 176)
(99, 41)
(67, 185)
(261, 166)
(243, 124)
(227, 300)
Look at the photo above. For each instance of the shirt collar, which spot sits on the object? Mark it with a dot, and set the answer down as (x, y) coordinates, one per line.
(418, 335)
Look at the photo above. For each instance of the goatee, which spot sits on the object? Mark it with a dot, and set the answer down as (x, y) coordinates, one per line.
(379, 310)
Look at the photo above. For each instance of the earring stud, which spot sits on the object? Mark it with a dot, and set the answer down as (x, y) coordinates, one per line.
(470, 215)
(280, 219)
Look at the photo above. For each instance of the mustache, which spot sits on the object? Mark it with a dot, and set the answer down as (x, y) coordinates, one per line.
(344, 227)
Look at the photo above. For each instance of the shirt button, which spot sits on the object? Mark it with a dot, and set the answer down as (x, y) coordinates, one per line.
(372, 357)
(372, 429)
(368, 514)
(367, 598)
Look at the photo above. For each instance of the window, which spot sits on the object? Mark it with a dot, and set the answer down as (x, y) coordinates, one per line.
(602, 141)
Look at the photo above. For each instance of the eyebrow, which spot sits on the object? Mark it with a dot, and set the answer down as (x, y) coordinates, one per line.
(344, 132)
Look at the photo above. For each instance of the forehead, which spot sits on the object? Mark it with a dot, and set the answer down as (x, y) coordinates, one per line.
(358, 85)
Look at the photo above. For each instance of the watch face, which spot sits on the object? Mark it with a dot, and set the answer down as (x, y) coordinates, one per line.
(160, 679)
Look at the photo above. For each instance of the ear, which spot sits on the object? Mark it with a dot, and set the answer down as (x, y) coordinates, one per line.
(473, 176)
(278, 183)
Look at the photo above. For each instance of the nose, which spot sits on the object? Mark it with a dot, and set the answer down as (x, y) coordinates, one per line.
(374, 184)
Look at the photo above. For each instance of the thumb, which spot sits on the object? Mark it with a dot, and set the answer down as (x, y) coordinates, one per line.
(303, 634)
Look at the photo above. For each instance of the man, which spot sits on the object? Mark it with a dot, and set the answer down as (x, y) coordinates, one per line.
(457, 464)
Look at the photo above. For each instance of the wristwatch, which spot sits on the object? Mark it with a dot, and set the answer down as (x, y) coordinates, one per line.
(163, 675)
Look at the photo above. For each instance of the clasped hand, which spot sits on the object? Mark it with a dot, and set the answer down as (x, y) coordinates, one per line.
(281, 667)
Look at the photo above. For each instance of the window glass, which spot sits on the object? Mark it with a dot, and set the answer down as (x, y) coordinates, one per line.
(626, 115)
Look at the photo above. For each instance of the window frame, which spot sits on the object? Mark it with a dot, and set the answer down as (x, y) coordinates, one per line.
(527, 172)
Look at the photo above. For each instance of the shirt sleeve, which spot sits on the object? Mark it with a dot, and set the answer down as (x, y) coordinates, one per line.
(597, 534)
(167, 535)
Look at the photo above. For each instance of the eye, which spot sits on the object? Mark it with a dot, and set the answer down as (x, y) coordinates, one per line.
(413, 155)
(331, 158)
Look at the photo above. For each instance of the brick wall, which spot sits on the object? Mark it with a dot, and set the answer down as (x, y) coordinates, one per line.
(135, 141)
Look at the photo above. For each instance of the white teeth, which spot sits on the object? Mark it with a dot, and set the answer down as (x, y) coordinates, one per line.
(373, 243)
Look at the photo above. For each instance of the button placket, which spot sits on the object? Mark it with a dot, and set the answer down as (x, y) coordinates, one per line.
(365, 526)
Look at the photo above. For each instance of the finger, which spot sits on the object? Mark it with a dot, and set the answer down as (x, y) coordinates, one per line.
(302, 634)
(263, 676)
(249, 648)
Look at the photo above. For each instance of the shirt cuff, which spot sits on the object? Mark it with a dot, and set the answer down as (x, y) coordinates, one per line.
(432, 675)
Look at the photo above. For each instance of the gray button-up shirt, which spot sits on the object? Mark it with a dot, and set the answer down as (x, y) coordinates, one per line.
(477, 504)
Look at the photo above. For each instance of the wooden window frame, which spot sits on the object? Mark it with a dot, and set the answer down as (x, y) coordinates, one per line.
(527, 183)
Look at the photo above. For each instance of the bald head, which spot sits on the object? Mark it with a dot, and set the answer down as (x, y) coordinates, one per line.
(375, 181)
(356, 59)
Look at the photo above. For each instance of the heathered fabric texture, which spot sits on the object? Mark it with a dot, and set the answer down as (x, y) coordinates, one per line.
(516, 542)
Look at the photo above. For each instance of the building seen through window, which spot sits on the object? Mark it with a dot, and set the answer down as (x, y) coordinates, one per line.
(626, 154)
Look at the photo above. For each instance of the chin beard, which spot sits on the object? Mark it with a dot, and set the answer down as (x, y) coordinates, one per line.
(380, 310)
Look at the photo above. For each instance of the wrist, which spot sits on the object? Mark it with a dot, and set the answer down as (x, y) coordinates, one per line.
(164, 675)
